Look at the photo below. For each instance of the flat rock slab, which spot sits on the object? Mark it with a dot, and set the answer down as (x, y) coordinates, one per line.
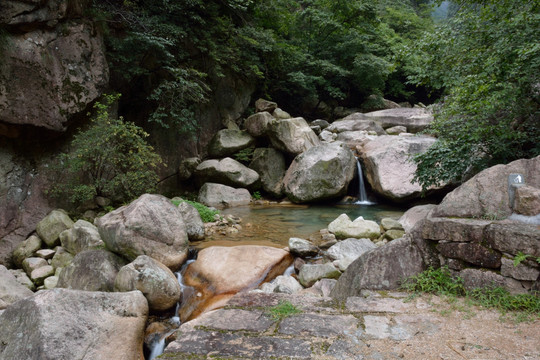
(376, 326)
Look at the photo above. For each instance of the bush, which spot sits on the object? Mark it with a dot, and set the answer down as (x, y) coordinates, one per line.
(207, 214)
(110, 159)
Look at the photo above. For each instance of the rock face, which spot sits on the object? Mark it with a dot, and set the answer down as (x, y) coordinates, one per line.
(52, 73)
(10, 289)
(220, 272)
(321, 173)
(486, 194)
(227, 142)
(91, 270)
(292, 136)
(380, 269)
(218, 195)
(414, 119)
(270, 165)
(157, 283)
(227, 172)
(150, 225)
(388, 167)
(344, 228)
(82, 236)
(65, 324)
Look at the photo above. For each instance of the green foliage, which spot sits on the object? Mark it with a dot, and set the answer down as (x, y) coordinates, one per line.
(486, 60)
(441, 282)
(111, 158)
(244, 156)
(207, 214)
(521, 257)
(283, 310)
(257, 195)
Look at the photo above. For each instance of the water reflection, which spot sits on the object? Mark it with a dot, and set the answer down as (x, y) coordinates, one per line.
(274, 225)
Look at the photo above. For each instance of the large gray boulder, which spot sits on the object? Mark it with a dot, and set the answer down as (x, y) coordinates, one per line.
(389, 168)
(486, 194)
(150, 225)
(350, 248)
(257, 124)
(342, 227)
(292, 136)
(414, 119)
(50, 227)
(10, 289)
(157, 283)
(91, 270)
(193, 221)
(383, 268)
(220, 196)
(321, 173)
(270, 165)
(63, 324)
(227, 142)
(227, 172)
(82, 236)
(355, 122)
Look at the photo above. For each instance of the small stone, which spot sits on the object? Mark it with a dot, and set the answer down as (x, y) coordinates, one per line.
(394, 234)
(50, 282)
(33, 263)
(45, 253)
(62, 258)
(391, 224)
(40, 274)
(310, 274)
(302, 247)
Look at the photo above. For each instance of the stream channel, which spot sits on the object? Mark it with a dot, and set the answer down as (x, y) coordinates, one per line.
(273, 225)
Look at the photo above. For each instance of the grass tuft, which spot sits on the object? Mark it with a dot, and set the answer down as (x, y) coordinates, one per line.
(282, 310)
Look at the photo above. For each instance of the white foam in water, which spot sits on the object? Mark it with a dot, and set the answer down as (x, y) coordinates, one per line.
(362, 195)
(157, 348)
(535, 220)
(289, 271)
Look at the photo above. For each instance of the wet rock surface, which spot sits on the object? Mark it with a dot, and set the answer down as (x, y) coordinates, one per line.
(370, 326)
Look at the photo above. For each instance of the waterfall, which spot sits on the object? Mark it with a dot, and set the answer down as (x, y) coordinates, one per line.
(362, 195)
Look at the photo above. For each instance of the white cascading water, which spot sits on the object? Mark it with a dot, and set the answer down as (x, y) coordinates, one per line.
(362, 195)
(157, 347)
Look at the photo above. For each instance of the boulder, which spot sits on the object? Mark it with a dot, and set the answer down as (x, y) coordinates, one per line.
(220, 272)
(391, 224)
(311, 273)
(157, 283)
(10, 289)
(342, 227)
(527, 201)
(486, 194)
(61, 258)
(280, 114)
(23, 279)
(265, 105)
(282, 284)
(270, 165)
(50, 282)
(187, 167)
(39, 275)
(52, 225)
(257, 124)
(321, 173)
(227, 172)
(415, 119)
(389, 168)
(70, 324)
(472, 253)
(327, 136)
(355, 122)
(454, 229)
(220, 196)
(478, 278)
(302, 248)
(323, 124)
(350, 248)
(353, 138)
(150, 225)
(376, 102)
(393, 234)
(409, 219)
(396, 130)
(227, 142)
(91, 270)
(82, 236)
(53, 76)
(32, 263)
(520, 271)
(512, 238)
(292, 136)
(193, 221)
(383, 268)
(45, 253)
(26, 249)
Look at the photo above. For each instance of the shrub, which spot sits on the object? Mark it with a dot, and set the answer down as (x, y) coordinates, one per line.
(111, 158)
(207, 214)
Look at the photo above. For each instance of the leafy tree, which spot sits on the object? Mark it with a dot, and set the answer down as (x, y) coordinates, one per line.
(486, 59)
(110, 159)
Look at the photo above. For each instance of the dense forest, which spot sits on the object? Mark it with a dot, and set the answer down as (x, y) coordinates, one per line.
(476, 61)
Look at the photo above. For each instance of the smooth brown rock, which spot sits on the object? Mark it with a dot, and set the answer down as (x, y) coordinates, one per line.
(150, 225)
(220, 272)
